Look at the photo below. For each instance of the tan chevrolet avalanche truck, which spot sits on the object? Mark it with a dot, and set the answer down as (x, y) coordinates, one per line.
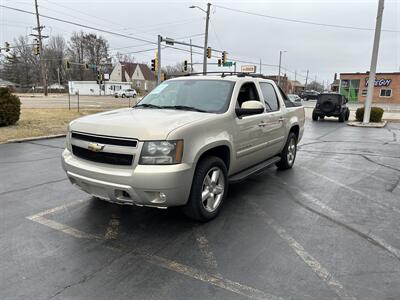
(184, 143)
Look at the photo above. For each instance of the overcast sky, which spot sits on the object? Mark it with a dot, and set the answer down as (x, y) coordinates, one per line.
(322, 50)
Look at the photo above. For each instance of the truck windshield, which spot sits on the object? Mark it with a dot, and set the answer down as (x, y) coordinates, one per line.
(202, 95)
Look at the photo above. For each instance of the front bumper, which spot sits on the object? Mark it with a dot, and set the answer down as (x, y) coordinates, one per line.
(144, 185)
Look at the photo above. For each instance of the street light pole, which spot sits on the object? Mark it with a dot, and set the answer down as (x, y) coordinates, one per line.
(205, 35)
(206, 39)
(374, 59)
(279, 72)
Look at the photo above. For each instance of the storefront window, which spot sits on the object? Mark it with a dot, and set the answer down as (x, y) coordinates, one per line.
(350, 89)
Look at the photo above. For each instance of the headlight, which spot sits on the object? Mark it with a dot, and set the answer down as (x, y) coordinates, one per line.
(161, 153)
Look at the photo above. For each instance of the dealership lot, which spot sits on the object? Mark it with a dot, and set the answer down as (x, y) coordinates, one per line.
(326, 229)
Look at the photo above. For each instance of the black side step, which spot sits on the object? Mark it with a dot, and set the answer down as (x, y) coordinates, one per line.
(238, 177)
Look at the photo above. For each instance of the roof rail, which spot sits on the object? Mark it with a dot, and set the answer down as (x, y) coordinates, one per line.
(229, 73)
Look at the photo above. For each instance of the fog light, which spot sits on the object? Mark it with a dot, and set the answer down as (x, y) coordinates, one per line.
(163, 197)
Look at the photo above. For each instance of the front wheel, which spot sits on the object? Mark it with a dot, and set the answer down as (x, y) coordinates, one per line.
(288, 155)
(209, 189)
(342, 117)
(123, 96)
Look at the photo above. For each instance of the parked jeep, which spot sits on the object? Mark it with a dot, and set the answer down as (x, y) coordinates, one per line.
(184, 143)
(331, 105)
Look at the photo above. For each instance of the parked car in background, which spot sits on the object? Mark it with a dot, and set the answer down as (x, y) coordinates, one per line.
(128, 93)
(309, 95)
(184, 143)
(295, 98)
(331, 105)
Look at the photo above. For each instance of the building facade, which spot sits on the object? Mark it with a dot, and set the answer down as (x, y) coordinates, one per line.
(386, 87)
(140, 75)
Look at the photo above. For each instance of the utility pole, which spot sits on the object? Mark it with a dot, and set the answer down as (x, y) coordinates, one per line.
(159, 40)
(374, 60)
(280, 61)
(58, 76)
(42, 63)
(260, 66)
(191, 56)
(295, 75)
(305, 86)
(206, 39)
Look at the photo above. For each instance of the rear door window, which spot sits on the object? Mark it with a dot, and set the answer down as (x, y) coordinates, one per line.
(270, 97)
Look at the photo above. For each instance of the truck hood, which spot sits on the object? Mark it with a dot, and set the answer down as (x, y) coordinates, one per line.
(142, 124)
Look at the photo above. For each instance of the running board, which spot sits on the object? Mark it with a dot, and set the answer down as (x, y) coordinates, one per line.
(238, 177)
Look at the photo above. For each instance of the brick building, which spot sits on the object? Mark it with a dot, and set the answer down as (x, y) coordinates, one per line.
(386, 88)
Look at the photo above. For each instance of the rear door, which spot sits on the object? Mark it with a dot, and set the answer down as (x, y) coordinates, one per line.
(273, 129)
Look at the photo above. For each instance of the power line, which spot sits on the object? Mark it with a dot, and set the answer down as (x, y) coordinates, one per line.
(80, 25)
(302, 21)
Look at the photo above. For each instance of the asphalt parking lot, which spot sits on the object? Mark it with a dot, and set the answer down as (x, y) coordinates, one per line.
(327, 229)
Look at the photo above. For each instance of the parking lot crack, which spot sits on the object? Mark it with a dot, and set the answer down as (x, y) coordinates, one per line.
(88, 277)
(32, 186)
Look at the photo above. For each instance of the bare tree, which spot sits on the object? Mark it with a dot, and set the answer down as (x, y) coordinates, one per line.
(316, 86)
(54, 54)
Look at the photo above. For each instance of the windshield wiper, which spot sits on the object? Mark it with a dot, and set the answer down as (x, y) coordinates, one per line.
(147, 105)
(184, 107)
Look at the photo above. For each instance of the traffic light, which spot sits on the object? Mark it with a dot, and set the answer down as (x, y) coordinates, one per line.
(99, 78)
(209, 52)
(153, 64)
(219, 62)
(223, 57)
(87, 66)
(185, 64)
(7, 46)
(36, 47)
(67, 65)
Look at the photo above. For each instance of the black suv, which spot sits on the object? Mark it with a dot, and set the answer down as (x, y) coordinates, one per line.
(309, 95)
(331, 105)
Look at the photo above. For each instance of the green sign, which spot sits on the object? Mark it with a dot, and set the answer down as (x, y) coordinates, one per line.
(228, 64)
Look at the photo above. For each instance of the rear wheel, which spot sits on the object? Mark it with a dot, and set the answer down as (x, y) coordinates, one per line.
(314, 116)
(347, 114)
(288, 154)
(209, 189)
(342, 117)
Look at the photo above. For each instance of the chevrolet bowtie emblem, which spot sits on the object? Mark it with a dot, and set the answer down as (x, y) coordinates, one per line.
(95, 147)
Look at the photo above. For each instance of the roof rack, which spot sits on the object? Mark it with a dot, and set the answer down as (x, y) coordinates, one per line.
(224, 74)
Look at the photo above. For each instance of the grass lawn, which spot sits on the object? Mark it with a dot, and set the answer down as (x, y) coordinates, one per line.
(35, 122)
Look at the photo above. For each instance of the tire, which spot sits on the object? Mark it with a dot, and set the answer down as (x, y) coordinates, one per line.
(116, 96)
(207, 209)
(347, 114)
(123, 96)
(288, 155)
(342, 117)
(314, 116)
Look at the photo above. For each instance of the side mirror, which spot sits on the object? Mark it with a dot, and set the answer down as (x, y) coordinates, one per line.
(250, 107)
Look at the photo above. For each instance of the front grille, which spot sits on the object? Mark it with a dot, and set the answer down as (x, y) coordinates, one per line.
(104, 139)
(103, 157)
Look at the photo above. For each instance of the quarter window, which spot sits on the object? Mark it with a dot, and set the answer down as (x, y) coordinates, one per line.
(386, 93)
(270, 98)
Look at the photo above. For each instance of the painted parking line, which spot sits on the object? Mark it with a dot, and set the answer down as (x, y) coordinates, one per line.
(205, 249)
(337, 218)
(112, 229)
(307, 258)
(206, 277)
(349, 188)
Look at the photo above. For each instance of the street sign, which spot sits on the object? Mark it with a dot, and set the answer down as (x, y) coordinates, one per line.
(248, 69)
(228, 64)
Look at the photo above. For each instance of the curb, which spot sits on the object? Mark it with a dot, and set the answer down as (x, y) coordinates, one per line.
(43, 137)
(369, 125)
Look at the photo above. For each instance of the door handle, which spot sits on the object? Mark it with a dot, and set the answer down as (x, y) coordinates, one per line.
(281, 119)
(262, 124)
